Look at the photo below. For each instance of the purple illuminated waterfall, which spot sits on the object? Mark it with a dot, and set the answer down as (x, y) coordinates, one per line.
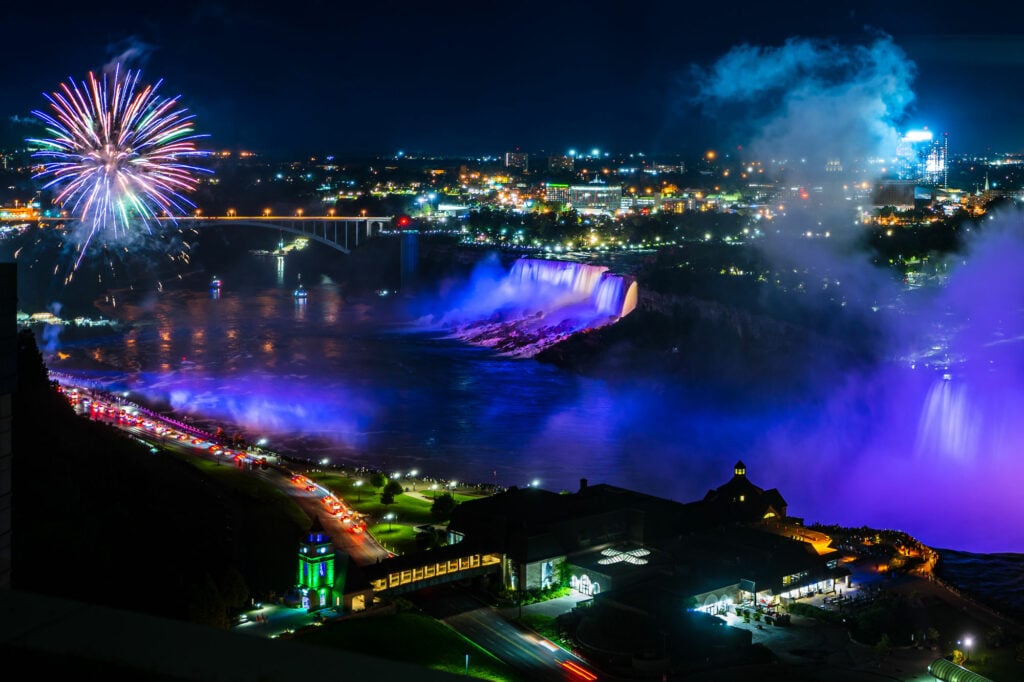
(539, 303)
(615, 295)
(610, 294)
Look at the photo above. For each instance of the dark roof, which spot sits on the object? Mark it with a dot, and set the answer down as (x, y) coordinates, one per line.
(741, 552)
(402, 562)
(739, 500)
(524, 506)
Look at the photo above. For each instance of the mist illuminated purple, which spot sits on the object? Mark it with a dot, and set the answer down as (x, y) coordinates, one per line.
(914, 442)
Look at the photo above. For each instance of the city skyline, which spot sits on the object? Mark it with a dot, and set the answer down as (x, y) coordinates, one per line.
(457, 80)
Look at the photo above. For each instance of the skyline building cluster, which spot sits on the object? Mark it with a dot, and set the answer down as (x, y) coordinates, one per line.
(921, 157)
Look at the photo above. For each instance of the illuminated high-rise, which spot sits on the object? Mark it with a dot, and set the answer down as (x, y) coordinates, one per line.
(921, 157)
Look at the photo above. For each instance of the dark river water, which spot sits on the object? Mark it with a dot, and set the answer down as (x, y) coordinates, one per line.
(350, 380)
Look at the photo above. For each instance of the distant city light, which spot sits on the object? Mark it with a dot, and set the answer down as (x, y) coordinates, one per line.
(918, 135)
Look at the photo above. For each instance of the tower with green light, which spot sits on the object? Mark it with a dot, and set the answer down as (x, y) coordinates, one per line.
(316, 569)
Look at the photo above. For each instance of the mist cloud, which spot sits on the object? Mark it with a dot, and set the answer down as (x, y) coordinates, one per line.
(809, 101)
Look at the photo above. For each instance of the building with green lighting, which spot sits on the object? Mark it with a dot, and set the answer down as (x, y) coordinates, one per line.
(316, 576)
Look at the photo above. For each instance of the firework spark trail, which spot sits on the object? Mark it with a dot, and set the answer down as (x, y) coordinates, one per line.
(115, 154)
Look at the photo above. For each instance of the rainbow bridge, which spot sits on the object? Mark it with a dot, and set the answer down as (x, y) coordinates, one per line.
(341, 233)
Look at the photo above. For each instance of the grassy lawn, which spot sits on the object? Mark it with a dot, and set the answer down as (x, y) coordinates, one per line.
(410, 638)
(397, 538)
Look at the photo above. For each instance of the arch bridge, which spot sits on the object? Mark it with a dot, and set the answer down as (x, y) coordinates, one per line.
(342, 233)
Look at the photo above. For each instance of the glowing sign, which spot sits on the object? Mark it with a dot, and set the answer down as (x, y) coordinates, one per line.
(917, 135)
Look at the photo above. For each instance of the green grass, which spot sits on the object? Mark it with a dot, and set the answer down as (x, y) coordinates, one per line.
(398, 538)
(410, 638)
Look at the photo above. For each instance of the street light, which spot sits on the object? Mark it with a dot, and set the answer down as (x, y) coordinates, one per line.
(968, 641)
(359, 490)
(434, 488)
(390, 517)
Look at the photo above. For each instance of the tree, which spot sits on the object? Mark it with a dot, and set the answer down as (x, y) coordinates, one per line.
(206, 606)
(429, 538)
(883, 647)
(391, 490)
(232, 588)
(443, 506)
(564, 572)
(377, 479)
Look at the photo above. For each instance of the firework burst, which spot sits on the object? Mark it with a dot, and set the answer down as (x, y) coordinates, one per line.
(116, 154)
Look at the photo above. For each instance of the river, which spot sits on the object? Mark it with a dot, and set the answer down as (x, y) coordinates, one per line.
(350, 377)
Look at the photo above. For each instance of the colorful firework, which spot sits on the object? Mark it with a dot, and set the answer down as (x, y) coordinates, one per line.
(115, 154)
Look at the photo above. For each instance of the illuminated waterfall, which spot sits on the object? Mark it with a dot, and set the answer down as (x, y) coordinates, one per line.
(540, 303)
(610, 294)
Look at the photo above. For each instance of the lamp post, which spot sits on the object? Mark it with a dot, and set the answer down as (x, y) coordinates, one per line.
(359, 490)
(390, 517)
(968, 641)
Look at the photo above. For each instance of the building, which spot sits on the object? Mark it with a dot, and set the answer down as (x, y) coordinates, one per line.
(328, 578)
(518, 160)
(316, 579)
(556, 193)
(741, 501)
(657, 572)
(920, 157)
(595, 197)
(603, 537)
(561, 164)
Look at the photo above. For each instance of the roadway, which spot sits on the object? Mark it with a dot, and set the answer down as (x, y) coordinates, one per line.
(345, 529)
(526, 652)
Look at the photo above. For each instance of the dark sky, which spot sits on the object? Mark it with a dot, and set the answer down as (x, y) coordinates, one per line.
(452, 77)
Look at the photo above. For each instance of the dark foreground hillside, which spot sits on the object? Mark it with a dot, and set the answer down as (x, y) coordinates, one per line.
(99, 518)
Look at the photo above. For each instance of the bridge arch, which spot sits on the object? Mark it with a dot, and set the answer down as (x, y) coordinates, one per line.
(341, 233)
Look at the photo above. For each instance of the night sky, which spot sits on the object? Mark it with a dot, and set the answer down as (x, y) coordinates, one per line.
(457, 78)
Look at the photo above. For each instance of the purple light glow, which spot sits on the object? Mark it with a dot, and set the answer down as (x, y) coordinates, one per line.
(895, 445)
(535, 305)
